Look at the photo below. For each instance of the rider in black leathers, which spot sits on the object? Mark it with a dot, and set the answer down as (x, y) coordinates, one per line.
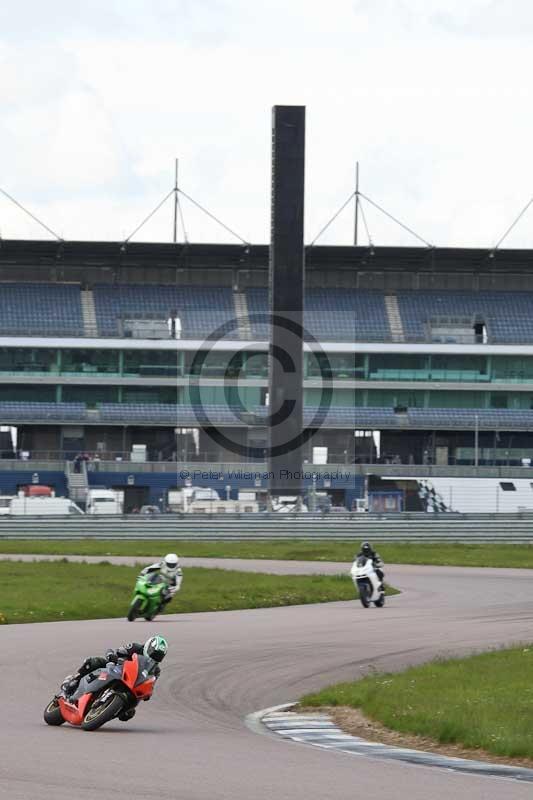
(155, 648)
(368, 552)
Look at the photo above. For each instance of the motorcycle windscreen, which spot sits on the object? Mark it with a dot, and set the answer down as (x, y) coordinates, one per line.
(144, 684)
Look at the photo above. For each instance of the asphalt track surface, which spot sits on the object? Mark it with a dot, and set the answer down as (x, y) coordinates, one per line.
(190, 741)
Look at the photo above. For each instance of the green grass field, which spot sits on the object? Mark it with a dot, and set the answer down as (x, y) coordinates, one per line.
(485, 701)
(457, 555)
(58, 590)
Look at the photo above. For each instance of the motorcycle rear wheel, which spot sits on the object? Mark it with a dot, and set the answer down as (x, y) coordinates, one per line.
(103, 712)
(153, 615)
(52, 713)
(381, 602)
(135, 609)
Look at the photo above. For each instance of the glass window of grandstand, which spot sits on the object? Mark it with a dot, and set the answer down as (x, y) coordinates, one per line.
(28, 359)
(517, 400)
(167, 395)
(466, 368)
(338, 398)
(145, 363)
(90, 362)
(215, 363)
(512, 369)
(398, 366)
(92, 396)
(393, 399)
(27, 394)
(343, 366)
(256, 365)
(457, 399)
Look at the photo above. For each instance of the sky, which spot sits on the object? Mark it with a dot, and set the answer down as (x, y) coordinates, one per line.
(434, 98)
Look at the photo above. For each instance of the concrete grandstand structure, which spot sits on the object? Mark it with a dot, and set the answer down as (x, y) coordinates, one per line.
(427, 353)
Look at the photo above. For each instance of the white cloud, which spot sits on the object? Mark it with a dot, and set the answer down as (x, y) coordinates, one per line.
(433, 98)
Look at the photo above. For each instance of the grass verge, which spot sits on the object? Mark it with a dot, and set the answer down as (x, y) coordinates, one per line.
(453, 555)
(43, 591)
(484, 702)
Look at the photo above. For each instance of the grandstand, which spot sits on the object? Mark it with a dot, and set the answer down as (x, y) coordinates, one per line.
(430, 353)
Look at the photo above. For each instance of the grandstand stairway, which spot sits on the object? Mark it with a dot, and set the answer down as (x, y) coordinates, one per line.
(90, 326)
(241, 312)
(394, 317)
(77, 482)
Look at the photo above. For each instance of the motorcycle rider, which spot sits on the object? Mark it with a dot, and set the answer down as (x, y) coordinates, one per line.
(155, 648)
(171, 572)
(368, 552)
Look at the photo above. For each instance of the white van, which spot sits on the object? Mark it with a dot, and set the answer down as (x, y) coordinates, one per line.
(43, 506)
(103, 501)
(5, 503)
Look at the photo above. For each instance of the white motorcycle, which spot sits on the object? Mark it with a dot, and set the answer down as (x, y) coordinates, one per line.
(368, 584)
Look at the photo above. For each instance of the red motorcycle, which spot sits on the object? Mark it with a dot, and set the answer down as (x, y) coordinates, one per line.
(104, 694)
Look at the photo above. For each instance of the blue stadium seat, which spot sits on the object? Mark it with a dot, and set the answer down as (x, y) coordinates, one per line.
(22, 410)
(330, 314)
(201, 309)
(345, 315)
(40, 308)
(508, 315)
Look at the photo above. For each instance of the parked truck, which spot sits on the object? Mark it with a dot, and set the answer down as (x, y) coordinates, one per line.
(203, 500)
(104, 501)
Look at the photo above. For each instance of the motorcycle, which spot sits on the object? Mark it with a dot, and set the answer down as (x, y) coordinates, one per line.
(104, 694)
(147, 597)
(368, 584)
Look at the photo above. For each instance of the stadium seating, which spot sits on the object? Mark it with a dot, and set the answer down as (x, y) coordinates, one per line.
(330, 314)
(508, 315)
(201, 309)
(167, 413)
(487, 418)
(22, 411)
(335, 416)
(40, 309)
(344, 315)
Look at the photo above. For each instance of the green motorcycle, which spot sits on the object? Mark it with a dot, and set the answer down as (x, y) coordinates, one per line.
(147, 597)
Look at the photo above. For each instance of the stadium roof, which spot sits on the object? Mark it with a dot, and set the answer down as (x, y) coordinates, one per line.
(109, 255)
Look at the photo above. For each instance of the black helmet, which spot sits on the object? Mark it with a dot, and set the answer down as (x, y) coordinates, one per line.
(366, 549)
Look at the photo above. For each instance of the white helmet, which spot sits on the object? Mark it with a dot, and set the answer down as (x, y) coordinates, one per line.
(171, 564)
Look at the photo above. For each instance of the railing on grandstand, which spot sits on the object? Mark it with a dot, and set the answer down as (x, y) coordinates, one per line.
(511, 337)
(390, 465)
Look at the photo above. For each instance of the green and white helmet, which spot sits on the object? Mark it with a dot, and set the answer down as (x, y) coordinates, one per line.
(156, 648)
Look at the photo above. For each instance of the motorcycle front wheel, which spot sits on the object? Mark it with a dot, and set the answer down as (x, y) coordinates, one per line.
(365, 593)
(52, 713)
(100, 713)
(135, 609)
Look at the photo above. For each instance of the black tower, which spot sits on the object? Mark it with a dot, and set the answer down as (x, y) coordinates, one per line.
(286, 284)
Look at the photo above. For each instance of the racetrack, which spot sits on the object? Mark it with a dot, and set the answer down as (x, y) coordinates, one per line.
(190, 741)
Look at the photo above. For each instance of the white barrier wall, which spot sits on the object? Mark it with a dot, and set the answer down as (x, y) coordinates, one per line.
(473, 495)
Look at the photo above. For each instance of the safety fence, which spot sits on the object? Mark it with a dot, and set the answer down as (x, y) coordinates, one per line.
(412, 527)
